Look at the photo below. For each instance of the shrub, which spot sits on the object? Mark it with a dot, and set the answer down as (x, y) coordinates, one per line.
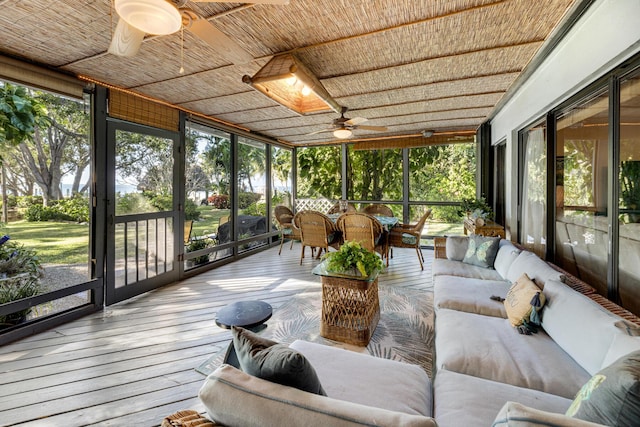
(245, 199)
(72, 209)
(219, 201)
(256, 209)
(20, 270)
(36, 213)
(191, 211)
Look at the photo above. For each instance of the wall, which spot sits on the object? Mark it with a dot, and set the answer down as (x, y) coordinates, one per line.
(606, 35)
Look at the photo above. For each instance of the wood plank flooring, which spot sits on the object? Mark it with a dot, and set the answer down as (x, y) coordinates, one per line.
(133, 363)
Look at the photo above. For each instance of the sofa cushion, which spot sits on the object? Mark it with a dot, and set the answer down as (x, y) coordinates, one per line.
(612, 396)
(471, 295)
(537, 270)
(488, 347)
(275, 362)
(461, 400)
(514, 414)
(372, 381)
(235, 398)
(627, 340)
(456, 247)
(481, 251)
(517, 303)
(507, 253)
(579, 325)
(449, 267)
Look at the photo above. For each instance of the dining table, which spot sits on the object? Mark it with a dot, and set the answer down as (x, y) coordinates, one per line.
(388, 222)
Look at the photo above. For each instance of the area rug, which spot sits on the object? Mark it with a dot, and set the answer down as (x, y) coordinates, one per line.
(405, 331)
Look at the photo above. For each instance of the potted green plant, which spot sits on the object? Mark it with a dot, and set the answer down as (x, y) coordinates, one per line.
(20, 273)
(196, 244)
(475, 209)
(352, 259)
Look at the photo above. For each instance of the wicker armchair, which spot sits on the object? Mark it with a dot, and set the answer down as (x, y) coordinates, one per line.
(317, 231)
(336, 209)
(364, 229)
(383, 210)
(408, 236)
(284, 216)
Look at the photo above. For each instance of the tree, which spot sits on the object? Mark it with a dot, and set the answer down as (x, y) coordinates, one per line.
(58, 146)
(19, 115)
(319, 172)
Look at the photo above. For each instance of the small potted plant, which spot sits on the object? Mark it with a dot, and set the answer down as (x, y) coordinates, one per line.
(354, 260)
(476, 209)
(20, 273)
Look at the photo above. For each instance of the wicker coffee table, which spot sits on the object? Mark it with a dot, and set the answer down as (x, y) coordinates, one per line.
(350, 306)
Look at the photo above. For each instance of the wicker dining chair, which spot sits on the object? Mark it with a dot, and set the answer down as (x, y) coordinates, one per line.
(408, 236)
(377, 209)
(284, 217)
(316, 231)
(364, 229)
(336, 209)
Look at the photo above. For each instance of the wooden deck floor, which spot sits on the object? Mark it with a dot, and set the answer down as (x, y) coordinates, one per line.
(134, 363)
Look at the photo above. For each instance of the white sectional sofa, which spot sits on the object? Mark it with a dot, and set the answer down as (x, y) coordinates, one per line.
(486, 372)
(482, 361)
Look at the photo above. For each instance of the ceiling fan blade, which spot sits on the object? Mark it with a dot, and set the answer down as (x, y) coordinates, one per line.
(375, 128)
(355, 121)
(220, 42)
(284, 2)
(320, 131)
(126, 40)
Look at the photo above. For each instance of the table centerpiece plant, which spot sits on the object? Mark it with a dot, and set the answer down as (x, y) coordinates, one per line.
(352, 259)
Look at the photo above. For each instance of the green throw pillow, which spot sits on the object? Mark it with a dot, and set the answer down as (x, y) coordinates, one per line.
(481, 251)
(274, 362)
(612, 396)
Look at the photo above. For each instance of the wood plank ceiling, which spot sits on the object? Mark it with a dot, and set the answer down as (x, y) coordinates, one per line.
(408, 65)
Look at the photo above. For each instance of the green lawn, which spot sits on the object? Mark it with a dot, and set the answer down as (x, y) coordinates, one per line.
(54, 242)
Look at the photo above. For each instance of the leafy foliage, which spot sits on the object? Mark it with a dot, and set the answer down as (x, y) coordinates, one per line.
(19, 114)
(256, 209)
(72, 209)
(246, 199)
(352, 255)
(219, 201)
(20, 271)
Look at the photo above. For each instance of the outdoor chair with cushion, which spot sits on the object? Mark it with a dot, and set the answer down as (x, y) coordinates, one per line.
(284, 216)
(408, 236)
(377, 209)
(364, 229)
(316, 231)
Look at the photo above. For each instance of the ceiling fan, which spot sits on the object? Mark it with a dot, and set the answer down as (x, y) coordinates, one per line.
(343, 127)
(161, 17)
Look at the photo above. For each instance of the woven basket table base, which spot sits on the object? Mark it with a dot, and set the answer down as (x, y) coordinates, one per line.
(350, 310)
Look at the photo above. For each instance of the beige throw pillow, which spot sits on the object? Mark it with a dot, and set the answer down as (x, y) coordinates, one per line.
(518, 300)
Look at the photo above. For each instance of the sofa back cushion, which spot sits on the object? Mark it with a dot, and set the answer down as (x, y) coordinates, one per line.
(507, 253)
(456, 247)
(625, 341)
(579, 325)
(235, 398)
(537, 270)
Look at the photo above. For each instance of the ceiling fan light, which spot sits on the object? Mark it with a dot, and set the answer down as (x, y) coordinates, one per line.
(342, 133)
(151, 16)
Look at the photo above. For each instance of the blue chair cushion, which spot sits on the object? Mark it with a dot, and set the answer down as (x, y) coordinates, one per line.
(409, 239)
